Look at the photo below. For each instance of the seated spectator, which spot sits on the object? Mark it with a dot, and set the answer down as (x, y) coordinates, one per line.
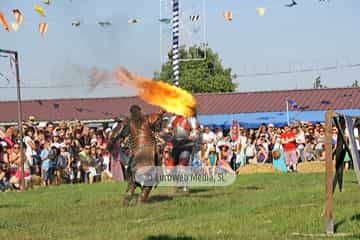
(223, 158)
(6, 152)
(94, 167)
(208, 136)
(84, 157)
(309, 152)
(4, 177)
(262, 154)
(85, 154)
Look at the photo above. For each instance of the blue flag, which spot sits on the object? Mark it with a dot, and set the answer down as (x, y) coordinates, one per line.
(292, 103)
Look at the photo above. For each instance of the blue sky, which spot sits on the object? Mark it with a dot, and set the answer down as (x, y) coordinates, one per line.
(309, 35)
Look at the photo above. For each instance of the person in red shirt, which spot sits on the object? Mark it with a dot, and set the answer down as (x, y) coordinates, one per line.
(289, 144)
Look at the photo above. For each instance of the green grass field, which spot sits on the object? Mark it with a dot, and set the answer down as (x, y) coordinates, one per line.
(261, 206)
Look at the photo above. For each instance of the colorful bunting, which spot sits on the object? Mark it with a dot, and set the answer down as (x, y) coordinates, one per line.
(18, 16)
(133, 20)
(46, 2)
(194, 18)
(165, 20)
(104, 24)
(4, 22)
(18, 19)
(40, 10)
(261, 11)
(228, 16)
(293, 3)
(43, 27)
(15, 26)
(75, 23)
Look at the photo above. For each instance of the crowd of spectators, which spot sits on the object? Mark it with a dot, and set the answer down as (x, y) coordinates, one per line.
(64, 152)
(237, 146)
(72, 152)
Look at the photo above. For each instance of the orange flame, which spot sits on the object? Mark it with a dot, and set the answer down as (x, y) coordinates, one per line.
(166, 96)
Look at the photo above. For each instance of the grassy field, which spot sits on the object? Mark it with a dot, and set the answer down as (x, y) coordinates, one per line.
(259, 206)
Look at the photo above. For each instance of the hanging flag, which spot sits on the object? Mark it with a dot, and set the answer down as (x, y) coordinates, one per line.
(4, 22)
(46, 2)
(43, 27)
(261, 11)
(75, 23)
(104, 24)
(194, 18)
(18, 16)
(18, 19)
(228, 16)
(15, 26)
(292, 103)
(40, 10)
(132, 21)
(293, 3)
(165, 20)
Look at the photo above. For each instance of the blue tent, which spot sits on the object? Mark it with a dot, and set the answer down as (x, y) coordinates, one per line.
(279, 119)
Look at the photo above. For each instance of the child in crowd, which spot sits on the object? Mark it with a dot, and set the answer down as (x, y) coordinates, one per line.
(45, 164)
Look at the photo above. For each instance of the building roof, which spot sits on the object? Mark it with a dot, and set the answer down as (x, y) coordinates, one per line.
(208, 104)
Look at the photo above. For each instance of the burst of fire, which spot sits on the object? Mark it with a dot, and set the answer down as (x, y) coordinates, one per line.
(166, 96)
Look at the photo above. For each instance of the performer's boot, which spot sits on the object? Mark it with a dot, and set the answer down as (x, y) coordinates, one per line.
(144, 194)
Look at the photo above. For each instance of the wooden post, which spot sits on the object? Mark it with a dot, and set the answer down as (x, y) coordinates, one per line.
(329, 222)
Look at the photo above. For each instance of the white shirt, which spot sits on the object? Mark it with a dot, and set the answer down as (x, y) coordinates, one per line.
(29, 151)
(209, 137)
(250, 150)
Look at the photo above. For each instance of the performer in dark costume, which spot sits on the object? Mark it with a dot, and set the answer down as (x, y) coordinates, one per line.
(140, 151)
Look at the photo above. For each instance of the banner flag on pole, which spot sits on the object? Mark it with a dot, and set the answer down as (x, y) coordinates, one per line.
(292, 103)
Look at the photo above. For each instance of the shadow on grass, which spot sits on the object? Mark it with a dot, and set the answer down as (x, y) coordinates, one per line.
(338, 224)
(355, 217)
(197, 190)
(167, 237)
(253, 188)
(12, 205)
(159, 198)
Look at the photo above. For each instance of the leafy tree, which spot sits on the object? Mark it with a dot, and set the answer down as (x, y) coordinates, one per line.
(199, 76)
(355, 84)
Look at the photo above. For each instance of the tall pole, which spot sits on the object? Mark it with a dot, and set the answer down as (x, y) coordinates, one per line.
(175, 45)
(329, 221)
(19, 110)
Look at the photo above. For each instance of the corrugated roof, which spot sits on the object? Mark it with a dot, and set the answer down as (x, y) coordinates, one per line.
(208, 104)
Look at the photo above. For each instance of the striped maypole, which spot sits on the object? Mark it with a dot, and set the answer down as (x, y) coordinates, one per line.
(175, 46)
